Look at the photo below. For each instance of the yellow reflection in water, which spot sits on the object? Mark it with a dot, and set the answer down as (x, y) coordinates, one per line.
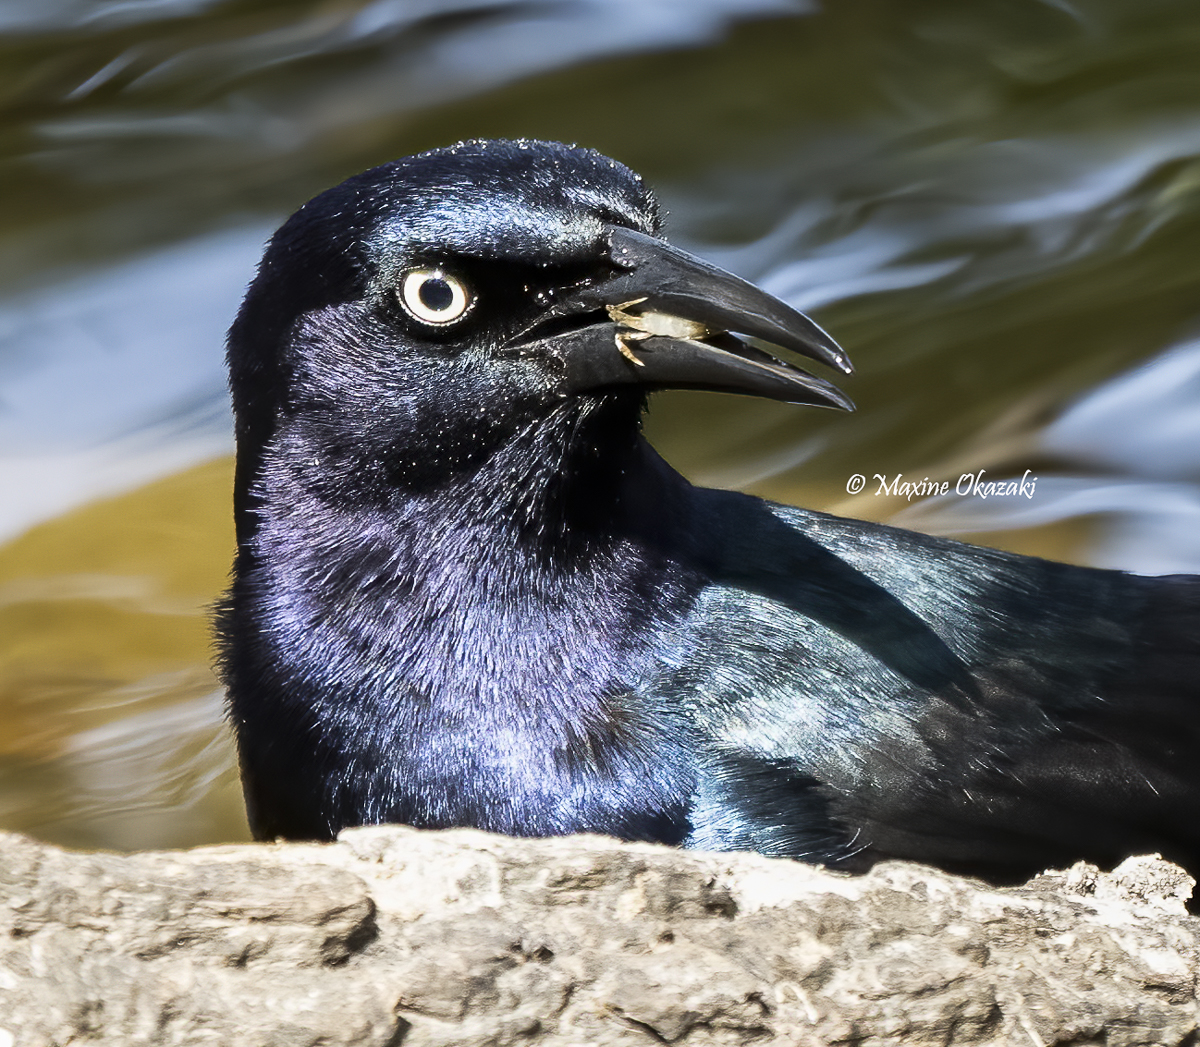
(111, 730)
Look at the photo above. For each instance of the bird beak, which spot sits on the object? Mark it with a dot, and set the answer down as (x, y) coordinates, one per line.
(664, 320)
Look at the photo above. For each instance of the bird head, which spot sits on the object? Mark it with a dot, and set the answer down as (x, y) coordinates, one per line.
(428, 308)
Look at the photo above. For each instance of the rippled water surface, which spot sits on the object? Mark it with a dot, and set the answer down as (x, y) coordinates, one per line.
(995, 207)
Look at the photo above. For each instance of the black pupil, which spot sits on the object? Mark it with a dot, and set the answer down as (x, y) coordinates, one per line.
(435, 294)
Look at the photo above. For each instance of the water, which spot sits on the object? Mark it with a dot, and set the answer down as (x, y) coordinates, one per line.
(994, 207)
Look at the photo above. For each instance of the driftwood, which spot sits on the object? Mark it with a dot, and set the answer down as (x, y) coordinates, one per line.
(392, 936)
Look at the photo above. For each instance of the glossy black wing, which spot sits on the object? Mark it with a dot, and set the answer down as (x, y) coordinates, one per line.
(869, 692)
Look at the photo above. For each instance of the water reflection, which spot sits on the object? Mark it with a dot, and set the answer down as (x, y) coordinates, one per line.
(157, 768)
(114, 378)
(993, 208)
(1138, 437)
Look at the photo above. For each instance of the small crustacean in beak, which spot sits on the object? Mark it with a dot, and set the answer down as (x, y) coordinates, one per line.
(675, 321)
(636, 327)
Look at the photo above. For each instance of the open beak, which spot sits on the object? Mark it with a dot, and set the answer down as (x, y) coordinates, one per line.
(666, 320)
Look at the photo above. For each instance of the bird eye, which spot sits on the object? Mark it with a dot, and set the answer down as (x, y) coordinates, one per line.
(434, 296)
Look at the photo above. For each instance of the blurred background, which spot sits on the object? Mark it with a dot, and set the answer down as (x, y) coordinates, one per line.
(994, 206)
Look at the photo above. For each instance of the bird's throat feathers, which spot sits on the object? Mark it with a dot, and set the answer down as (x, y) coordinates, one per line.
(521, 536)
(435, 625)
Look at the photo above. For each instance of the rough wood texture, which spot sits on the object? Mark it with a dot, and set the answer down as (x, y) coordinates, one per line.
(459, 938)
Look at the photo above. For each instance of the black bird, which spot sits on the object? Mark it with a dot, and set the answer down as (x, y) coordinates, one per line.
(468, 593)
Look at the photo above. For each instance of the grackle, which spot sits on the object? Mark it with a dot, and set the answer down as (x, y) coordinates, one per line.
(467, 592)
